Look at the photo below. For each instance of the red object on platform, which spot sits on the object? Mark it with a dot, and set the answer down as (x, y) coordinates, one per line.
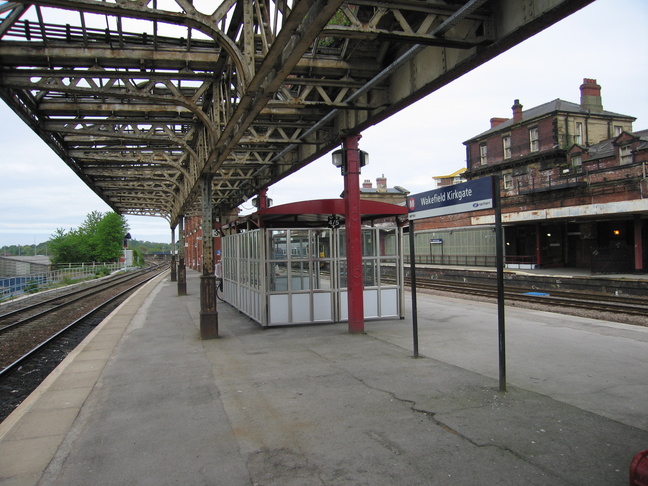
(639, 469)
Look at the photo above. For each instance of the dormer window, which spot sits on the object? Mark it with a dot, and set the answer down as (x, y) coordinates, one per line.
(506, 146)
(577, 164)
(625, 154)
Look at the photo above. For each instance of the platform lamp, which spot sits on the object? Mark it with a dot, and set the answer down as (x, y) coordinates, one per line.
(340, 160)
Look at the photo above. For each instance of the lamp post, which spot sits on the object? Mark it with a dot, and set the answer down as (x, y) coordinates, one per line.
(350, 159)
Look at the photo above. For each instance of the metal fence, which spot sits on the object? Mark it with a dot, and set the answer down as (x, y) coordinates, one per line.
(463, 260)
(64, 274)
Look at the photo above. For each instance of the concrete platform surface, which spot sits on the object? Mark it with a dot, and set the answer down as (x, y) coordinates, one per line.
(143, 401)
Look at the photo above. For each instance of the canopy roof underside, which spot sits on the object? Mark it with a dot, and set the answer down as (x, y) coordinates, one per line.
(143, 99)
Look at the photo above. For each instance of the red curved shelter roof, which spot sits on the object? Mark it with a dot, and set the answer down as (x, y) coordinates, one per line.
(334, 206)
(316, 212)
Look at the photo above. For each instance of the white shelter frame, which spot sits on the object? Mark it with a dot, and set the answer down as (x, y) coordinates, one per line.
(292, 276)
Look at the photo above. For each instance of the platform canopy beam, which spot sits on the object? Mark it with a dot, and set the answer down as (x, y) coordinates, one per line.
(143, 99)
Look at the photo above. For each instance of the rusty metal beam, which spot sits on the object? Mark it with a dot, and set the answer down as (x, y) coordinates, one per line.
(245, 93)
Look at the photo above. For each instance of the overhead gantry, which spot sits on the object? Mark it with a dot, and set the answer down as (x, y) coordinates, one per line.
(177, 107)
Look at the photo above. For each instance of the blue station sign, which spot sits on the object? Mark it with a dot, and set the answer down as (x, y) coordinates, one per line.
(459, 198)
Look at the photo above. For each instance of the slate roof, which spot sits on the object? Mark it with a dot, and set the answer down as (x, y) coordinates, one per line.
(556, 105)
(389, 190)
(605, 148)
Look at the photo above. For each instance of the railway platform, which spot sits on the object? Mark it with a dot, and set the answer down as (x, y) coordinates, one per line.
(143, 401)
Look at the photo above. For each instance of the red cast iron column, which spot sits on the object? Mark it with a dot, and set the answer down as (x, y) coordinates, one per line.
(638, 245)
(352, 224)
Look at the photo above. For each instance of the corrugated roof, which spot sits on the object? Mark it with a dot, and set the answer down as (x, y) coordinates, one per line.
(454, 174)
(39, 259)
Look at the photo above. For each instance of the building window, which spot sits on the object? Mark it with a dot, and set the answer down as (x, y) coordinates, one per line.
(483, 154)
(534, 144)
(506, 145)
(577, 163)
(508, 181)
(617, 130)
(625, 154)
(578, 135)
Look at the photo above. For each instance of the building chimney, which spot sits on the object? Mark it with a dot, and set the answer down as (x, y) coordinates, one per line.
(517, 111)
(591, 96)
(366, 184)
(381, 183)
(497, 121)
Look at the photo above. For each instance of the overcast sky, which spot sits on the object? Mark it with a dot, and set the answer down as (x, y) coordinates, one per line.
(606, 41)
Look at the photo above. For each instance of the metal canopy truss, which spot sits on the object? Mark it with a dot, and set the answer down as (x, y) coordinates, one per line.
(144, 98)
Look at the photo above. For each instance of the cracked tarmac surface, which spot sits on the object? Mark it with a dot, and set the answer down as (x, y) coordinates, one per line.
(315, 405)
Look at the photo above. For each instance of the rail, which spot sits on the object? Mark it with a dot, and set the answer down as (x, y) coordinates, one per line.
(30, 351)
(611, 305)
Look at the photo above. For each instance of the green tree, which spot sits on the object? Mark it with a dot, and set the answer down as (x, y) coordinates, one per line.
(88, 231)
(108, 238)
(98, 239)
(66, 247)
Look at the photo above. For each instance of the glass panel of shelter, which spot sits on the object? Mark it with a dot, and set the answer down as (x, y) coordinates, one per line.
(322, 276)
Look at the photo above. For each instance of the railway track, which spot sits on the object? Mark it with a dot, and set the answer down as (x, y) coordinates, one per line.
(40, 307)
(634, 306)
(32, 346)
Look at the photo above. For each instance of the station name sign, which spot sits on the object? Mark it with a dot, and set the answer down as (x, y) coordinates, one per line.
(459, 198)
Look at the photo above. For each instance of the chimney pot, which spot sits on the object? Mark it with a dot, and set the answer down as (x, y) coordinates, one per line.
(381, 183)
(591, 96)
(517, 111)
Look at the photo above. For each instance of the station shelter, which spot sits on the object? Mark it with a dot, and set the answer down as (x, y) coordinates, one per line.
(287, 265)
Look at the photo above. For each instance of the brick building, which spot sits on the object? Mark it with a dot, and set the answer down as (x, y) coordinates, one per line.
(382, 193)
(193, 236)
(457, 177)
(573, 187)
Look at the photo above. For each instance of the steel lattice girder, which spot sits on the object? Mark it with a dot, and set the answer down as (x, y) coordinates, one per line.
(142, 100)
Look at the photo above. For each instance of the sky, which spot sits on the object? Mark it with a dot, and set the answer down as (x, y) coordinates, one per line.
(606, 41)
